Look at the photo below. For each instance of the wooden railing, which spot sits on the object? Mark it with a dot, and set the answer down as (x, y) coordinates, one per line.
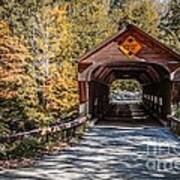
(174, 124)
(154, 104)
(68, 127)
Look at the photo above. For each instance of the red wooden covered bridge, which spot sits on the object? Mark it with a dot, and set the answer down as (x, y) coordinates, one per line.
(130, 54)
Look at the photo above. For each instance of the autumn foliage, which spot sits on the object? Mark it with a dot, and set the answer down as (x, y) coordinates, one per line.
(12, 59)
(61, 91)
(29, 101)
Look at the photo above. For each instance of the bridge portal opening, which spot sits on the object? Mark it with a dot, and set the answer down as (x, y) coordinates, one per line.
(125, 91)
(125, 101)
(152, 80)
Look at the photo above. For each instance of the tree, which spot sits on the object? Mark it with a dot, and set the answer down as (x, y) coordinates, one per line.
(13, 63)
(91, 23)
(61, 93)
(128, 85)
(170, 24)
(142, 13)
(49, 40)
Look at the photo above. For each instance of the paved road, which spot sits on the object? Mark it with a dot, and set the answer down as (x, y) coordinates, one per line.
(110, 152)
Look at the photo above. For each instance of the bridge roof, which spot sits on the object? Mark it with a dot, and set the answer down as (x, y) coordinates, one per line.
(150, 50)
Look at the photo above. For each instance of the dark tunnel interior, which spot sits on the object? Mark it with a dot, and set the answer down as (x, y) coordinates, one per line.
(153, 78)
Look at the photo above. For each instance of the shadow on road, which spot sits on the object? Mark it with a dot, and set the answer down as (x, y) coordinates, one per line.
(109, 152)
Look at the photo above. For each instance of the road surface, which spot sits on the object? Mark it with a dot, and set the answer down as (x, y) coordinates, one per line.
(111, 152)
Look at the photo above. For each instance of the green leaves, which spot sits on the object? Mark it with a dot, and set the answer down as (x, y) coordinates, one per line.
(142, 13)
(91, 23)
(177, 112)
(128, 85)
(170, 25)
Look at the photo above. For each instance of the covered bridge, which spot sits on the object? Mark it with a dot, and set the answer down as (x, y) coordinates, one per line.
(130, 54)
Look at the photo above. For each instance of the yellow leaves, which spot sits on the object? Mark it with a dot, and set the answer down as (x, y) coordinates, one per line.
(13, 55)
(54, 37)
(58, 15)
(61, 90)
(4, 28)
(60, 10)
(144, 14)
(11, 46)
(7, 94)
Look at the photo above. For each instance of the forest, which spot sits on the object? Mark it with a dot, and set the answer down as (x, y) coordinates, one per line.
(40, 41)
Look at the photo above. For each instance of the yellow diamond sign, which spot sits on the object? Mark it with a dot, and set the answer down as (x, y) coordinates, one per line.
(130, 46)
